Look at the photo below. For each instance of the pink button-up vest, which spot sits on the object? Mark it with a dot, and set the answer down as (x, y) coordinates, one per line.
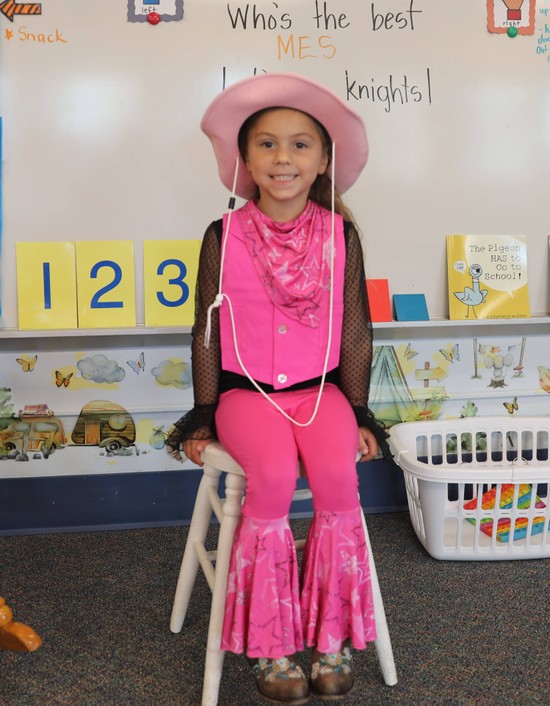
(274, 348)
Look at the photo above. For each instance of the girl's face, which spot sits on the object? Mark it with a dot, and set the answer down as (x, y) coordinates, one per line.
(284, 155)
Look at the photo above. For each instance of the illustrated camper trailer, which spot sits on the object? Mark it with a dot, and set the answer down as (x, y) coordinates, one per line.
(104, 424)
(35, 429)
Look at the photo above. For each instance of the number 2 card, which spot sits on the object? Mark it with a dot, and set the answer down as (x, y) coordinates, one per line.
(106, 284)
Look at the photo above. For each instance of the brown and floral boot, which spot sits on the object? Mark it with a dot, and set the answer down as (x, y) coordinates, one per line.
(281, 680)
(332, 674)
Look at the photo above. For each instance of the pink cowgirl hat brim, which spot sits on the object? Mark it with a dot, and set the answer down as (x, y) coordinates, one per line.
(228, 111)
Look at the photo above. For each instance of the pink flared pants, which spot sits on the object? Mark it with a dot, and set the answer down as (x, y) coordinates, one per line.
(268, 613)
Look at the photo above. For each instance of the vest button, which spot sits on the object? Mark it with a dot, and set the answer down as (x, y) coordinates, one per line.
(281, 378)
(281, 328)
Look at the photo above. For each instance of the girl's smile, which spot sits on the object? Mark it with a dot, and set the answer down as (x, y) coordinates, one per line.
(285, 154)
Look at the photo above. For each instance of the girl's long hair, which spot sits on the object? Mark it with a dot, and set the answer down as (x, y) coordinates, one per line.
(321, 189)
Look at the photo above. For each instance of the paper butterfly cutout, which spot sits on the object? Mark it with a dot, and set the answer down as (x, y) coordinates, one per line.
(27, 365)
(409, 352)
(452, 354)
(511, 406)
(137, 365)
(61, 380)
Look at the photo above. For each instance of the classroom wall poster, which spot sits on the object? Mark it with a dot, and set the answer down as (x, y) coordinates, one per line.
(511, 16)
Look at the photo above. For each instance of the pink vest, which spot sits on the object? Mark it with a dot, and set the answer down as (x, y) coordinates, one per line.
(274, 348)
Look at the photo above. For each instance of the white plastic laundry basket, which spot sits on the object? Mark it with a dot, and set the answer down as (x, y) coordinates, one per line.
(477, 488)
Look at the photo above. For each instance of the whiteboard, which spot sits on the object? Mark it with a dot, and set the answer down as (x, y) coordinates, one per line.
(101, 136)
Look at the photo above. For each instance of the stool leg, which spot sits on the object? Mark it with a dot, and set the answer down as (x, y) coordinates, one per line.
(200, 521)
(383, 641)
(234, 488)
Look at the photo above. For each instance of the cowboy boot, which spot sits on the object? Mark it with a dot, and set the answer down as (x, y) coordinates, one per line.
(332, 674)
(281, 681)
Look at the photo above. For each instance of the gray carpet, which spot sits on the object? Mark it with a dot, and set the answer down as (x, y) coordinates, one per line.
(463, 633)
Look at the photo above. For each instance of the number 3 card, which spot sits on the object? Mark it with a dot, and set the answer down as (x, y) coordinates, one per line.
(170, 278)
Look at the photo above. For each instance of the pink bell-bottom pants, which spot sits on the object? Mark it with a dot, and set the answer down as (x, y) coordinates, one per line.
(269, 612)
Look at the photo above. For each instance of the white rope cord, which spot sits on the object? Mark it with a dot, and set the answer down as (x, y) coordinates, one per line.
(221, 296)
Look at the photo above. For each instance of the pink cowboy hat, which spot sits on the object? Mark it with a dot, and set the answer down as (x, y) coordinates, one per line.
(228, 111)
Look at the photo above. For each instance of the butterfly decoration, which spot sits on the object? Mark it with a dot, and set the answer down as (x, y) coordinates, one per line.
(511, 407)
(409, 352)
(27, 365)
(451, 354)
(157, 438)
(62, 380)
(137, 365)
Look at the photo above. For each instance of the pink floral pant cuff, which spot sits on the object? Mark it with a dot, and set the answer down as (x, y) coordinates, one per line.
(267, 615)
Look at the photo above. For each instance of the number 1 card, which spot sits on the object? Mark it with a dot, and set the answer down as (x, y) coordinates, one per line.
(46, 285)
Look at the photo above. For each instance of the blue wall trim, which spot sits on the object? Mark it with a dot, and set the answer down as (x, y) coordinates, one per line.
(156, 499)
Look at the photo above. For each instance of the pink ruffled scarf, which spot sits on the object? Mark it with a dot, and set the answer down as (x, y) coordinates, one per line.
(292, 259)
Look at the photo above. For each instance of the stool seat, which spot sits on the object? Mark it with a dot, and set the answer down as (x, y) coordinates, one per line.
(215, 565)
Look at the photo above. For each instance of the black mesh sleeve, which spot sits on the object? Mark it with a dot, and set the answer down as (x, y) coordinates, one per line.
(356, 351)
(198, 423)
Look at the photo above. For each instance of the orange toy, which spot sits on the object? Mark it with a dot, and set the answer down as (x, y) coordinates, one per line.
(16, 636)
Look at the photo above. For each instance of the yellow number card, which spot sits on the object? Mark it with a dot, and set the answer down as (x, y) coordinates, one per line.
(170, 278)
(106, 284)
(46, 285)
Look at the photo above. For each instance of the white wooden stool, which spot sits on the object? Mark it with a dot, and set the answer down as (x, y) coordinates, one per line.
(217, 460)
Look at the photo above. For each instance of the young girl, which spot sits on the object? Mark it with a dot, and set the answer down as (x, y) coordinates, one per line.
(283, 377)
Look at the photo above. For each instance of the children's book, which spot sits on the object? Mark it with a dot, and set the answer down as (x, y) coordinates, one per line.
(410, 307)
(378, 293)
(487, 277)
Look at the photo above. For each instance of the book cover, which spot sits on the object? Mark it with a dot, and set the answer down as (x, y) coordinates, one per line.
(378, 293)
(410, 307)
(487, 277)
